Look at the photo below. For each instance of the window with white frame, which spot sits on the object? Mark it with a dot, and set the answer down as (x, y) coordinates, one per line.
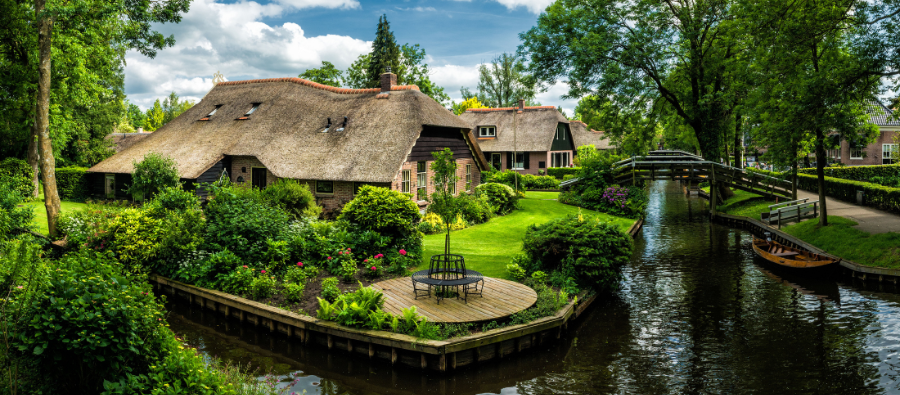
(487, 131)
(519, 161)
(421, 181)
(856, 153)
(404, 183)
(889, 154)
(559, 159)
(561, 133)
(468, 177)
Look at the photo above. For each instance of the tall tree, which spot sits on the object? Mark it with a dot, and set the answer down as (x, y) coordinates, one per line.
(823, 61)
(636, 53)
(357, 75)
(385, 53)
(504, 81)
(326, 75)
(631, 131)
(128, 21)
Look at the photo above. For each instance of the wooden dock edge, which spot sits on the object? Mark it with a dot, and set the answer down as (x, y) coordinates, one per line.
(854, 269)
(398, 348)
(635, 227)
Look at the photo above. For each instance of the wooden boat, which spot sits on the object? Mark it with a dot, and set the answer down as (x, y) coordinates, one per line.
(789, 257)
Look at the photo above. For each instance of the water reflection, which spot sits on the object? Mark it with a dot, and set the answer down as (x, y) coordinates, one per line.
(698, 314)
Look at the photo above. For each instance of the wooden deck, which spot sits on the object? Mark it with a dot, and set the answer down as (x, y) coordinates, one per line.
(502, 298)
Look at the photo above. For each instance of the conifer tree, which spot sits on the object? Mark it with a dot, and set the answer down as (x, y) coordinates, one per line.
(385, 53)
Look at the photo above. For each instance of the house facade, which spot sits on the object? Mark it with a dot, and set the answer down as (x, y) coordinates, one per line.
(884, 151)
(527, 139)
(333, 139)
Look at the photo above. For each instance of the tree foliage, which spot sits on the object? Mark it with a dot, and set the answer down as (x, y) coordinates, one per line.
(385, 53)
(461, 107)
(504, 81)
(326, 75)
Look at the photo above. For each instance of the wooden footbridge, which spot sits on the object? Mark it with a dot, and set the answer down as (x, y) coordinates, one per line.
(684, 166)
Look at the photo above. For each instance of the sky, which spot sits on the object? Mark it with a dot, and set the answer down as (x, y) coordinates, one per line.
(250, 39)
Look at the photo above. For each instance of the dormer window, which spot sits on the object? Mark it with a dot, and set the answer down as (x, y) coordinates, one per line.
(252, 109)
(327, 126)
(487, 131)
(561, 133)
(211, 113)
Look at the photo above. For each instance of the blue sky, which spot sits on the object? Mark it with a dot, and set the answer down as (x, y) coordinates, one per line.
(281, 38)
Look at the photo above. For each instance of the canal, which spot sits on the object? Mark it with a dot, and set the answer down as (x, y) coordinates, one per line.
(698, 313)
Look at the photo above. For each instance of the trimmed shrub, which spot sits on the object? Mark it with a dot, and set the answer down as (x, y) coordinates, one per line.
(560, 172)
(431, 223)
(541, 182)
(240, 220)
(501, 197)
(17, 174)
(508, 177)
(382, 210)
(857, 173)
(71, 182)
(877, 196)
(175, 198)
(293, 197)
(591, 251)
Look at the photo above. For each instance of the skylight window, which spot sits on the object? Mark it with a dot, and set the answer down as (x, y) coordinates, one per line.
(211, 113)
(252, 110)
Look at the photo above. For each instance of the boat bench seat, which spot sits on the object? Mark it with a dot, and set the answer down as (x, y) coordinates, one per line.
(785, 254)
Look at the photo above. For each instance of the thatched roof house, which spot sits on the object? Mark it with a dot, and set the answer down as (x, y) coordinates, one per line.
(333, 138)
(121, 141)
(582, 135)
(527, 139)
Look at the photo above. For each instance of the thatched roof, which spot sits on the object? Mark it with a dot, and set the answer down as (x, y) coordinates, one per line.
(582, 135)
(285, 132)
(532, 129)
(125, 140)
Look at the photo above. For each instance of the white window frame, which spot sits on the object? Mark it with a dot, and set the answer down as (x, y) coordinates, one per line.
(487, 131)
(559, 159)
(856, 151)
(422, 179)
(560, 133)
(405, 181)
(518, 165)
(468, 177)
(889, 153)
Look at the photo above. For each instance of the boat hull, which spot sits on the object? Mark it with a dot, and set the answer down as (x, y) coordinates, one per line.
(799, 260)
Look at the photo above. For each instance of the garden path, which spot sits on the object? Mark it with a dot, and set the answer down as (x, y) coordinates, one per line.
(869, 220)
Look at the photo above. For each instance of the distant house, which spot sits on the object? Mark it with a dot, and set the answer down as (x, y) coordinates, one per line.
(582, 135)
(333, 139)
(122, 141)
(883, 151)
(527, 139)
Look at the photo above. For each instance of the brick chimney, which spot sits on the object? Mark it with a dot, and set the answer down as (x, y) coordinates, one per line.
(388, 79)
(521, 105)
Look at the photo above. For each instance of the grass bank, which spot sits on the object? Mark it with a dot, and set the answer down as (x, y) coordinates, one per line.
(489, 247)
(839, 238)
(40, 212)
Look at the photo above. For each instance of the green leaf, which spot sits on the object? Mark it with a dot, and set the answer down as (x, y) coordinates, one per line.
(38, 350)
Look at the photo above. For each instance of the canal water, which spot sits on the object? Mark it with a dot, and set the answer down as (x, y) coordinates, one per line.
(698, 313)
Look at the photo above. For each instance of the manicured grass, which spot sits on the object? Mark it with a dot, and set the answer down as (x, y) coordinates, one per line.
(542, 195)
(40, 212)
(489, 247)
(841, 239)
(744, 203)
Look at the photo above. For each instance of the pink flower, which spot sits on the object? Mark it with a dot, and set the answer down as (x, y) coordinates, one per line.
(300, 264)
(373, 268)
(402, 252)
(245, 266)
(379, 256)
(329, 258)
(262, 271)
(365, 261)
(348, 249)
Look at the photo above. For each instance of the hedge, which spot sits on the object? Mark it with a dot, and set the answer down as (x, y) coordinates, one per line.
(560, 172)
(18, 173)
(876, 196)
(71, 182)
(858, 173)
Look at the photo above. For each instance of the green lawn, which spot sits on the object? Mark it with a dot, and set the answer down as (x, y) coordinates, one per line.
(841, 239)
(40, 212)
(489, 247)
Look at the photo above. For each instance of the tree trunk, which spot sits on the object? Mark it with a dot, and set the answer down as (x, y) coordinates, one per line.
(794, 180)
(820, 175)
(42, 119)
(738, 147)
(34, 159)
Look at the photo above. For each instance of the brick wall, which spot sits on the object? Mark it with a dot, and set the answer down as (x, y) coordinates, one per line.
(246, 163)
(873, 152)
(396, 184)
(343, 193)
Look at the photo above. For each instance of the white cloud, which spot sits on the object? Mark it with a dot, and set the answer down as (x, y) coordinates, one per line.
(533, 6)
(232, 39)
(418, 9)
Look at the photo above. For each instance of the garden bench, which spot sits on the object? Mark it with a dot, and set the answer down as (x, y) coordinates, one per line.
(792, 210)
(445, 271)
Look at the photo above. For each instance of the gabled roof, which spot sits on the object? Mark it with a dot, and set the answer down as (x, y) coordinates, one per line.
(285, 132)
(879, 114)
(582, 135)
(532, 129)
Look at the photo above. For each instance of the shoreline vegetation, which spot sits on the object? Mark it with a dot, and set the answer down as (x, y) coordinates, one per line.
(838, 238)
